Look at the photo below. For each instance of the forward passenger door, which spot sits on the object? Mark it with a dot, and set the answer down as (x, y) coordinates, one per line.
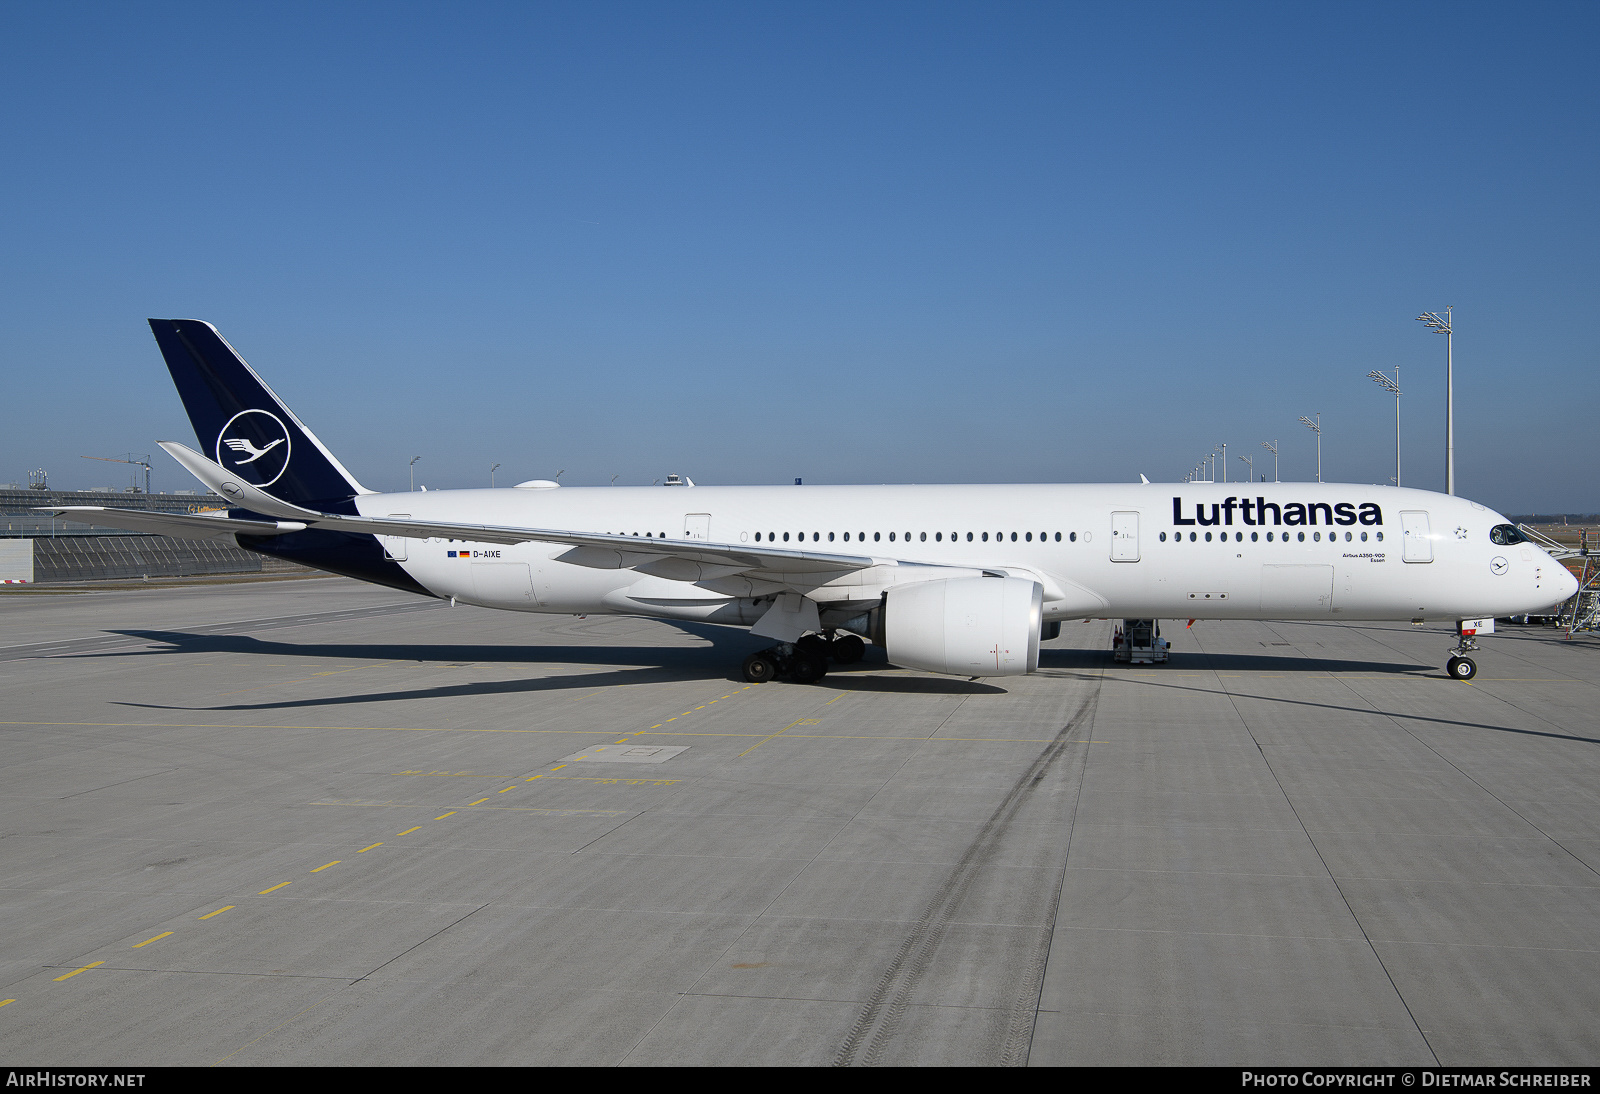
(1418, 545)
(1124, 537)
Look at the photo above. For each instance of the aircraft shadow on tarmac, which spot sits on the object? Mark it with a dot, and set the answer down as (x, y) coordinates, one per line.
(653, 664)
(662, 663)
(1233, 662)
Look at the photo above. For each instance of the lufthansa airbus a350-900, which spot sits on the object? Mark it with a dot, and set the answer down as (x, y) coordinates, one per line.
(954, 579)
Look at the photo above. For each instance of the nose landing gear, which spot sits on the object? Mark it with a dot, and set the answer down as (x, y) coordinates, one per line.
(1460, 666)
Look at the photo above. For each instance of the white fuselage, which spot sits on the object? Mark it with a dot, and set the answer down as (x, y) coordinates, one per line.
(1220, 551)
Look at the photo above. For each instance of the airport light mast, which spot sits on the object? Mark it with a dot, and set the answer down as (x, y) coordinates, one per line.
(1394, 386)
(1431, 320)
(491, 476)
(1315, 427)
(413, 466)
(1251, 464)
(1272, 446)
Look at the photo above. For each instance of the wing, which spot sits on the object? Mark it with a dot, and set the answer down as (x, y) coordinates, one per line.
(180, 525)
(678, 560)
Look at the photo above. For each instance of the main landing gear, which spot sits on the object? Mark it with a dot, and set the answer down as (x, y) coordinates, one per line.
(805, 661)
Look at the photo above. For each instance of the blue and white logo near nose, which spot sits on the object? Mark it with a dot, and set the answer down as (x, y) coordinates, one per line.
(255, 446)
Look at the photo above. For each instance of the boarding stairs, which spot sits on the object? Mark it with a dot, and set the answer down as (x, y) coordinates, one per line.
(1582, 612)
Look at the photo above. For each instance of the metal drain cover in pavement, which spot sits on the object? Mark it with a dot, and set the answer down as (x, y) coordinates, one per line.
(626, 754)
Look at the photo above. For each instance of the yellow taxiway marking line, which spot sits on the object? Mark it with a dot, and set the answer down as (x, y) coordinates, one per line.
(546, 810)
(75, 972)
(3, 1002)
(480, 801)
(408, 831)
(781, 732)
(502, 790)
(274, 889)
(454, 774)
(324, 866)
(558, 767)
(617, 779)
(380, 843)
(452, 813)
(147, 941)
(219, 911)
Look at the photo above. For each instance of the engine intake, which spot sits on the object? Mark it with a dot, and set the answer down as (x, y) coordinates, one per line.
(964, 626)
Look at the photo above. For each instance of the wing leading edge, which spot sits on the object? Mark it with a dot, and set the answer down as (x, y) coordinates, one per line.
(691, 560)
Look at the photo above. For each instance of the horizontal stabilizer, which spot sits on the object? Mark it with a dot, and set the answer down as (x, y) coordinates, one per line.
(233, 487)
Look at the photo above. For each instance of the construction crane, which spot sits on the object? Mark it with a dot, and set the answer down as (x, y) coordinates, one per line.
(144, 463)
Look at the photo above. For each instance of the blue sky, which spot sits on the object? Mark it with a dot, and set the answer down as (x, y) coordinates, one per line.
(852, 242)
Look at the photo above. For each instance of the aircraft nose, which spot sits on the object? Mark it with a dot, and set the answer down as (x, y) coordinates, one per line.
(1566, 584)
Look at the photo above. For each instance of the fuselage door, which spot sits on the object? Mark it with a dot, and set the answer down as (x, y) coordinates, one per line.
(395, 546)
(1124, 537)
(1418, 545)
(697, 526)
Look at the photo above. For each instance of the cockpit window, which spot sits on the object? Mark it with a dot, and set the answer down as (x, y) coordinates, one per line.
(1506, 534)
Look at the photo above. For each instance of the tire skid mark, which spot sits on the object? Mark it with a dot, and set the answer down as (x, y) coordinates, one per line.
(880, 1018)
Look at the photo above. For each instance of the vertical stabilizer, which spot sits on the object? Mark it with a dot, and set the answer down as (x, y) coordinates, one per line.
(242, 424)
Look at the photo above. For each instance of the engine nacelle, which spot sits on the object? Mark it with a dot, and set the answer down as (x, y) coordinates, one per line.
(965, 626)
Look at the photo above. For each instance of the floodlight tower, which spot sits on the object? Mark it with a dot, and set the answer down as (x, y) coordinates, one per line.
(1251, 464)
(1431, 320)
(413, 465)
(491, 476)
(1272, 446)
(1315, 427)
(1394, 386)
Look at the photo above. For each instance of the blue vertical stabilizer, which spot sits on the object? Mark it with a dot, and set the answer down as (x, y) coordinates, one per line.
(242, 425)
